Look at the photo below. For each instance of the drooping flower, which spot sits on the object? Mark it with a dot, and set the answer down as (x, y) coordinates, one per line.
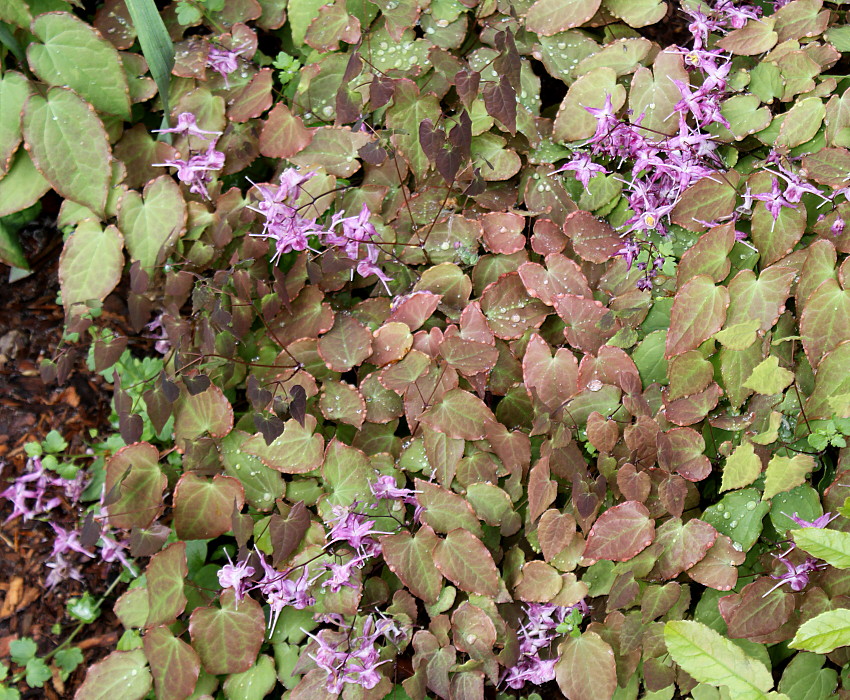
(187, 125)
(385, 487)
(350, 658)
(280, 592)
(197, 170)
(820, 522)
(584, 168)
(223, 61)
(775, 200)
(797, 575)
(234, 576)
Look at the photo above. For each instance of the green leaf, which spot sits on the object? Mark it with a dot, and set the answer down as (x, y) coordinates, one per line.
(91, 263)
(298, 450)
(69, 146)
(228, 639)
(156, 46)
(407, 111)
(784, 473)
(253, 684)
(708, 199)
(833, 546)
(738, 515)
(206, 412)
(825, 321)
(68, 659)
(134, 478)
(459, 414)
(573, 122)
(742, 468)
(152, 222)
(739, 336)
(805, 678)
(801, 122)
(22, 650)
(823, 633)
(37, 673)
(832, 381)
(637, 13)
(73, 55)
(14, 90)
(710, 658)
(768, 377)
(20, 188)
(122, 674)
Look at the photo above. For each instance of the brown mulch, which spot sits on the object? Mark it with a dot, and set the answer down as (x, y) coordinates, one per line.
(31, 325)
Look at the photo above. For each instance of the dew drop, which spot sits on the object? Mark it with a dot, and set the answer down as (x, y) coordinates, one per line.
(751, 505)
(734, 523)
(726, 516)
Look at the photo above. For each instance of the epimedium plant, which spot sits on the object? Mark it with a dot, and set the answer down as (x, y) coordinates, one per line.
(502, 345)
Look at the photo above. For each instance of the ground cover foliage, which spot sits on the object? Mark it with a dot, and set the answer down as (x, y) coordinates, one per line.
(503, 346)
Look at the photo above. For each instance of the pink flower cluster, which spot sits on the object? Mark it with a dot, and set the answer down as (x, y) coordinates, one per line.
(357, 531)
(536, 634)
(351, 235)
(351, 658)
(197, 170)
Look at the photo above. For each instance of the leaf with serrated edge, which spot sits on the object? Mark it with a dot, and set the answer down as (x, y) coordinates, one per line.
(69, 146)
(784, 473)
(742, 468)
(586, 668)
(459, 414)
(466, 562)
(122, 674)
(203, 508)
(165, 573)
(768, 377)
(548, 17)
(79, 279)
(228, 638)
(620, 533)
(174, 664)
(412, 560)
(709, 658)
(824, 633)
(699, 311)
(142, 483)
(833, 546)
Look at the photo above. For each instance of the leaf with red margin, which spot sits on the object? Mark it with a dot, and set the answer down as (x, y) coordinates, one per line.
(459, 414)
(123, 672)
(400, 376)
(681, 450)
(620, 533)
(444, 510)
(560, 276)
(468, 356)
(682, 546)
(828, 166)
(588, 323)
(443, 454)
(555, 531)
(308, 316)
(142, 483)
(825, 322)
(411, 558)
(593, 239)
(346, 345)
(542, 490)
(776, 238)
(390, 343)
(709, 255)
(207, 412)
(342, 403)
(762, 299)
(611, 366)
(165, 573)
(548, 17)
(510, 311)
(692, 409)
(283, 134)
(553, 379)
(718, 569)
(689, 373)
(202, 508)
(754, 612)
(708, 199)
(415, 309)
(831, 382)
(298, 450)
(699, 311)
(228, 638)
(465, 561)
(503, 232)
(819, 266)
(175, 665)
(586, 669)
(539, 582)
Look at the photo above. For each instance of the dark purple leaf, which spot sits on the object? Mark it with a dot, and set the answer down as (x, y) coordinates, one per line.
(90, 532)
(448, 163)
(271, 427)
(373, 153)
(131, 427)
(106, 353)
(139, 278)
(64, 365)
(48, 371)
(287, 533)
(159, 408)
(508, 63)
(242, 525)
(461, 134)
(197, 384)
(381, 91)
(145, 542)
(298, 405)
(169, 389)
(500, 101)
(466, 84)
(258, 396)
(353, 68)
(431, 138)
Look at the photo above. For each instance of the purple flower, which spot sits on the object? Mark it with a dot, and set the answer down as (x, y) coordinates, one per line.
(796, 576)
(281, 592)
(28, 493)
(113, 550)
(67, 541)
(196, 172)
(583, 167)
(774, 200)
(186, 124)
(384, 487)
(837, 227)
(162, 344)
(350, 658)
(234, 575)
(357, 231)
(62, 570)
(820, 522)
(223, 61)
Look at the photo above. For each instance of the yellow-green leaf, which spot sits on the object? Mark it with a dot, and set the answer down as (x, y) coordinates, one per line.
(742, 468)
(833, 546)
(784, 473)
(768, 377)
(824, 633)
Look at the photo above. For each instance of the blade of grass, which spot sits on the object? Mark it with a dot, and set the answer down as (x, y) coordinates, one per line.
(157, 48)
